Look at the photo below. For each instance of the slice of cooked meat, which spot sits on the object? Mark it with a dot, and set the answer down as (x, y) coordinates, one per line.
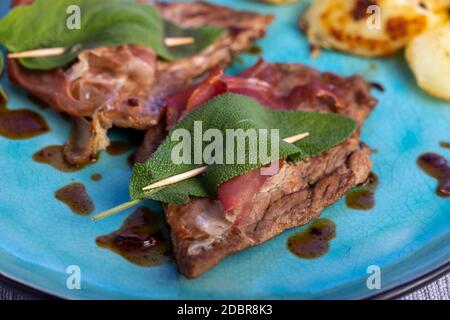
(127, 86)
(251, 210)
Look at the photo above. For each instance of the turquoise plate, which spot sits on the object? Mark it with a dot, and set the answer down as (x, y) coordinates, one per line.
(407, 234)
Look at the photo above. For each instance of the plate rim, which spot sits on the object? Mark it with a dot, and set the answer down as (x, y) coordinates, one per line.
(35, 292)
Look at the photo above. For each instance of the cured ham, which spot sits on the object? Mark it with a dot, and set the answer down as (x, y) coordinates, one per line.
(127, 86)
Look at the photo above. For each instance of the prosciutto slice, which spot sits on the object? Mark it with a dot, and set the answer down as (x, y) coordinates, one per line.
(128, 86)
(216, 84)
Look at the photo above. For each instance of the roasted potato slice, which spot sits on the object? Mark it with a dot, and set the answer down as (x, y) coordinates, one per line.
(428, 56)
(370, 27)
(439, 4)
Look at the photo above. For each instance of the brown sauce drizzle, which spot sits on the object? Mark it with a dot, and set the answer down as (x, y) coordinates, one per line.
(21, 124)
(116, 148)
(54, 156)
(96, 177)
(445, 144)
(255, 50)
(438, 167)
(377, 86)
(142, 239)
(75, 196)
(314, 241)
(363, 197)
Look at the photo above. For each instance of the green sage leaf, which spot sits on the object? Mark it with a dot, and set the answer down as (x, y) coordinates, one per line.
(44, 24)
(233, 111)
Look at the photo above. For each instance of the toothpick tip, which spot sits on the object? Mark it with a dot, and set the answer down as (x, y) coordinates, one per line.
(115, 210)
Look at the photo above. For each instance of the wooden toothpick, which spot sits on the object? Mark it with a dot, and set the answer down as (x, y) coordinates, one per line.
(122, 207)
(175, 179)
(181, 41)
(201, 170)
(296, 138)
(39, 53)
(51, 52)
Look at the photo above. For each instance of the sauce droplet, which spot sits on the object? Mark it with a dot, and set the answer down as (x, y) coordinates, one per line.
(363, 197)
(116, 148)
(314, 241)
(254, 50)
(142, 239)
(75, 196)
(54, 156)
(445, 145)
(21, 124)
(377, 86)
(438, 167)
(96, 177)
